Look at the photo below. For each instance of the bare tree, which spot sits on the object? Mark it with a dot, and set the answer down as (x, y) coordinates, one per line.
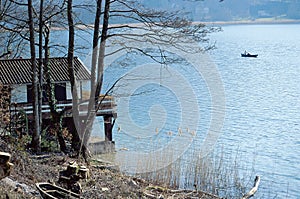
(77, 140)
(56, 116)
(11, 43)
(139, 24)
(40, 65)
(156, 27)
(13, 23)
(36, 137)
(14, 28)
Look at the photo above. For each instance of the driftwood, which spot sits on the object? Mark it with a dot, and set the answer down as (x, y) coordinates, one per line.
(253, 190)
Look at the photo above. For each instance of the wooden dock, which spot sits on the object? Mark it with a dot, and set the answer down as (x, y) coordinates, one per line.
(107, 110)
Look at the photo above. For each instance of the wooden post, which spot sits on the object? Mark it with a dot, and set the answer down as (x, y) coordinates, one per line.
(108, 128)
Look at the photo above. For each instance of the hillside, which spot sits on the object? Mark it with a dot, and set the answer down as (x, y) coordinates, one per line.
(104, 181)
(214, 10)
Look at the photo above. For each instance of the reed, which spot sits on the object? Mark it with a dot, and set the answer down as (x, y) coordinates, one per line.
(219, 173)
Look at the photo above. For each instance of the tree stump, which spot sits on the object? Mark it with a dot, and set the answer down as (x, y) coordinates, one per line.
(5, 165)
(71, 169)
(84, 172)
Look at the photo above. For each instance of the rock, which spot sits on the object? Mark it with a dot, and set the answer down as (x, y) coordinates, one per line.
(104, 189)
(20, 187)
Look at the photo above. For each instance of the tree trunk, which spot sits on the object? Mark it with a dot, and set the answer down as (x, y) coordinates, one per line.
(36, 136)
(96, 88)
(95, 51)
(88, 123)
(56, 118)
(77, 141)
(101, 55)
(40, 84)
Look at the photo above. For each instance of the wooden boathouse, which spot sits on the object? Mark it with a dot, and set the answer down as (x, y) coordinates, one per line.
(16, 90)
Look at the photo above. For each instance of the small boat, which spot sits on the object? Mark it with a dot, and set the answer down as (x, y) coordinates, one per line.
(51, 191)
(248, 55)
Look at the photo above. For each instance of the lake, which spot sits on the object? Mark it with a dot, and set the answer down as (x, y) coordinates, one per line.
(263, 101)
(260, 116)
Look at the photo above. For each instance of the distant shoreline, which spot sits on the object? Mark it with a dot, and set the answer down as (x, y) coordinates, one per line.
(213, 23)
(253, 22)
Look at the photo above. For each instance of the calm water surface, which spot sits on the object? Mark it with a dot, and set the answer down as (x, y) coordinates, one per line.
(262, 115)
(263, 101)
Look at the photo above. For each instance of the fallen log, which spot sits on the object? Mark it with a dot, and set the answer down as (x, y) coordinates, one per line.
(253, 190)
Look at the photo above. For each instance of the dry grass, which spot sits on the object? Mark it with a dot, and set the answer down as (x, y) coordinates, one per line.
(105, 180)
(216, 173)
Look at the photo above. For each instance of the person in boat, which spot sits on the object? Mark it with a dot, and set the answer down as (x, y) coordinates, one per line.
(246, 53)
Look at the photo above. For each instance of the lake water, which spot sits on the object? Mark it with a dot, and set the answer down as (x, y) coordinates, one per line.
(262, 104)
(263, 101)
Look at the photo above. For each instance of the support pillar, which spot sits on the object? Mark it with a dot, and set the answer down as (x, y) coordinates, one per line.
(108, 128)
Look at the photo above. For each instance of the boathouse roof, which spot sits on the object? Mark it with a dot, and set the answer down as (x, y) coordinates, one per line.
(19, 71)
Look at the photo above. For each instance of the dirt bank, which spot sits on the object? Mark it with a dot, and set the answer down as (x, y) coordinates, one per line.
(105, 180)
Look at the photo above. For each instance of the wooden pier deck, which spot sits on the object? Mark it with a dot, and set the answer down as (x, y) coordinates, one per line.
(107, 110)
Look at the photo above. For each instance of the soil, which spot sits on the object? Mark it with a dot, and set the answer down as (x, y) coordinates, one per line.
(105, 180)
